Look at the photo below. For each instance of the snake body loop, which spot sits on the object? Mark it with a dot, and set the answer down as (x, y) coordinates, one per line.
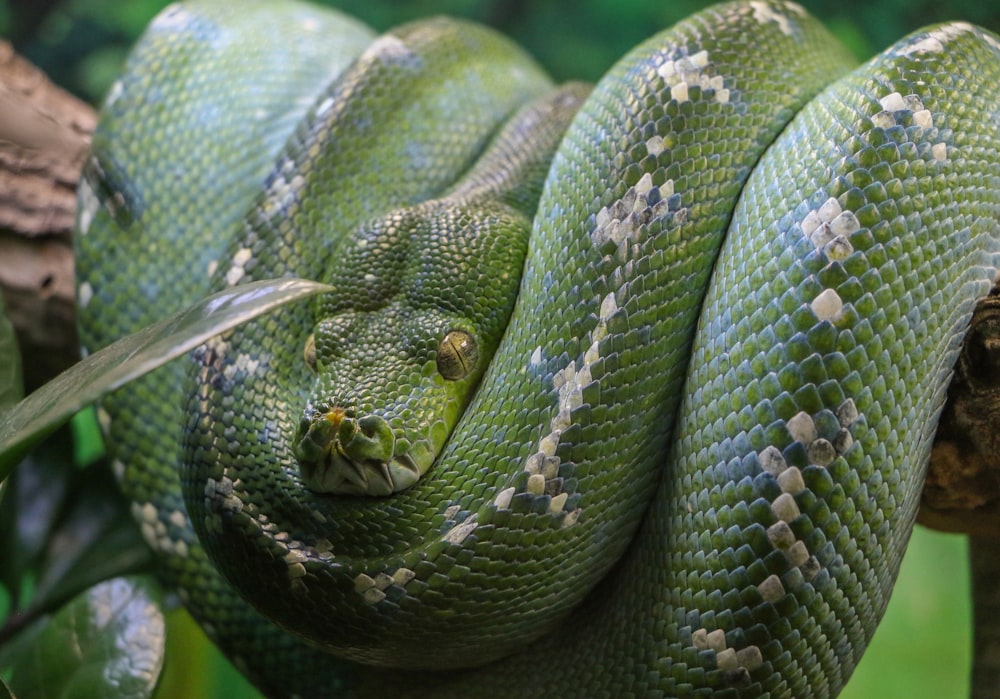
(434, 526)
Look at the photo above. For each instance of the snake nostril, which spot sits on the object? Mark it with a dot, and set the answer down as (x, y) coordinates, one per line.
(372, 440)
(371, 426)
(312, 442)
(320, 431)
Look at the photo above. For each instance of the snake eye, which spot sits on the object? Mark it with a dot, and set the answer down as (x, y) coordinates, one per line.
(309, 352)
(457, 355)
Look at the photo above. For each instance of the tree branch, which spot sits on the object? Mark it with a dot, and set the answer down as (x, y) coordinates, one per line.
(44, 136)
(962, 489)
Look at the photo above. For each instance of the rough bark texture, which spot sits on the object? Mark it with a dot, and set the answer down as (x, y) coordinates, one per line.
(962, 490)
(44, 136)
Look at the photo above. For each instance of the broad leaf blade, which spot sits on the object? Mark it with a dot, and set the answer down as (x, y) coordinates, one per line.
(96, 539)
(136, 355)
(32, 502)
(108, 643)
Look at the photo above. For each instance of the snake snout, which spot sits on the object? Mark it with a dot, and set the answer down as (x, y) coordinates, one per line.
(339, 452)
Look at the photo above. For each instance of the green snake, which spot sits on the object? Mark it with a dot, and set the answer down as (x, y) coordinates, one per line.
(621, 392)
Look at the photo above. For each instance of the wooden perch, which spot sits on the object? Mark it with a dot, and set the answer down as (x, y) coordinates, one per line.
(44, 136)
(962, 490)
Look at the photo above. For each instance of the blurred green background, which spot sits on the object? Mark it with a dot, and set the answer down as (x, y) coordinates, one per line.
(922, 649)
(81, 43)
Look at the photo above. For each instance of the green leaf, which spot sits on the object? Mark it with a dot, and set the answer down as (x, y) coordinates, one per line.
(5, 692)
(11, 381)
(135, 355)
(33, 498)
(63, 529)
(96, 539)
(107, 643)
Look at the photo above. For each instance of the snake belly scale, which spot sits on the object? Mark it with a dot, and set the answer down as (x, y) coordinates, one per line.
(545, 439)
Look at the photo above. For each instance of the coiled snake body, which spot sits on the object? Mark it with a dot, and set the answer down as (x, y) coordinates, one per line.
(645, 476)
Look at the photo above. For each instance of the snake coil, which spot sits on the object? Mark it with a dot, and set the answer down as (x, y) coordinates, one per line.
(622, 392)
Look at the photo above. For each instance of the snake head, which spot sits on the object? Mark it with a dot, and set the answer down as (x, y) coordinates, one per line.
(341, 453)
(397, 352)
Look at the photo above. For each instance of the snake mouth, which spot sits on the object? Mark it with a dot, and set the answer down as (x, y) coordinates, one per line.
(339, 453)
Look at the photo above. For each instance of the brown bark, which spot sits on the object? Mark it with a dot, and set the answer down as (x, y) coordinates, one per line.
(962, 489)
(44, 136)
